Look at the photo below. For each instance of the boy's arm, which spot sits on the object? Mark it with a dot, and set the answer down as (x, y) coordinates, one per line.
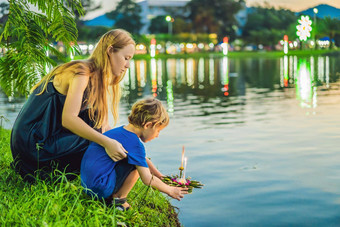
(153, 169)
(148, 179)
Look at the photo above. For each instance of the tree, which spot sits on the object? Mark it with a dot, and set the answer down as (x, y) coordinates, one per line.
(180, 25)
(127, 16)
(91, 33)
(330, 27)
(4, 6)
(268, 25)
(27, 36)
(158, 25)
(214, 16)
(88, 5)
(88, 33)
(337, 39)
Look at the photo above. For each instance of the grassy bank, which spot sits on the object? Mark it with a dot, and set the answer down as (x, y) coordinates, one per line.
(65, 204)
(237, 54)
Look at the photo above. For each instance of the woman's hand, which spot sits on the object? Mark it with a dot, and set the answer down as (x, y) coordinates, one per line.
(178, 192)
(115, 150)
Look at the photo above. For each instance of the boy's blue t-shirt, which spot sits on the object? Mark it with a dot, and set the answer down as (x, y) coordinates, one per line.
(97, 169)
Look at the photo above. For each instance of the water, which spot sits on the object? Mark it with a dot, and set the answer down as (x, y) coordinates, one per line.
(261, 134)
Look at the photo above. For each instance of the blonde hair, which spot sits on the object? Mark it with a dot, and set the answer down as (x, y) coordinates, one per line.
(148, 110)
(102, 82)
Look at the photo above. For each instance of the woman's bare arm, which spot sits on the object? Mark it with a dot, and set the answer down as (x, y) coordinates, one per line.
(75, 124)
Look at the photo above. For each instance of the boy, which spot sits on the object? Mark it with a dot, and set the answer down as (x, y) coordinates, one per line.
(113, 180)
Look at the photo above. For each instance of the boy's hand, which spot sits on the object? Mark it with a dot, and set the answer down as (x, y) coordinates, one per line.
(160, 177)
(178, 192)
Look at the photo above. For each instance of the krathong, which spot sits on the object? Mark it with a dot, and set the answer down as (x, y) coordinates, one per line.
(175, 180)
(181, 181)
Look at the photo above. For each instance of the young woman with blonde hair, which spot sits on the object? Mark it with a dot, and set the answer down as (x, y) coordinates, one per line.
(69, 108)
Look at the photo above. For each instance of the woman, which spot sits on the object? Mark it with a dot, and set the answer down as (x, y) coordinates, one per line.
(68, 108)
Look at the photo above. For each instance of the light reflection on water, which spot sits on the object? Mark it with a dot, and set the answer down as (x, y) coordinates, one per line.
(261, 134)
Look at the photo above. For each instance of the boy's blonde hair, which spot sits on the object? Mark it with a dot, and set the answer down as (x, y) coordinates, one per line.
(148, 110)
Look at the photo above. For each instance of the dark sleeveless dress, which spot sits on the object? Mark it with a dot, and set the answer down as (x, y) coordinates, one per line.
(40, 142)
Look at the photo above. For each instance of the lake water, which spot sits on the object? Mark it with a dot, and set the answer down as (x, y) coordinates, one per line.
(262, 134)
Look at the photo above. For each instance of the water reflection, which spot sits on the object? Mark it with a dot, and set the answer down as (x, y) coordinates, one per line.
(305, 89)
(224, 77)
(259, 156)
(170, 96)
(306, 76)
(153, 77)
(220, 83)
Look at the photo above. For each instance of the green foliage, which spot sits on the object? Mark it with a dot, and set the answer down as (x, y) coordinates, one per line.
(267, 25)
(158, 25)
(337, 39)
(329, 27)
(3, 13)
(127, 16)
(163, 38)
(88, 6)
(269, 18)
(214, 16)
(269, 37)
(291, 31)
(27, 36)
(180, 25)
(91, 33)
(64, 203)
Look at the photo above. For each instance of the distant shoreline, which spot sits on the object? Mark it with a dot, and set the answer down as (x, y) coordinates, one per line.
(236, 54)
(243, 54)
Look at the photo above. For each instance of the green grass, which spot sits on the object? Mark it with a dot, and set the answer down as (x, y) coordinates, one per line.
(240, 54)
(65, 204)
(236, 54)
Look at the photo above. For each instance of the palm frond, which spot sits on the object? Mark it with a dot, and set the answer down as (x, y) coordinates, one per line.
(27, 36)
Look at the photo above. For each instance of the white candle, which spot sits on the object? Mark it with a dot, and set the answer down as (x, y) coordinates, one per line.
(182, 157)
(185, 166)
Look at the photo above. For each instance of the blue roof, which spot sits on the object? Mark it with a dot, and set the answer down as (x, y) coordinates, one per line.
(326, 38)
(100, 21)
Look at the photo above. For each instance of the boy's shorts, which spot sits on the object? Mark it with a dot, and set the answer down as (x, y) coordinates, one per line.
(123, 169)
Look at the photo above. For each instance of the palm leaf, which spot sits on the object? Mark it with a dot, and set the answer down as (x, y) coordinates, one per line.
(27, 36)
